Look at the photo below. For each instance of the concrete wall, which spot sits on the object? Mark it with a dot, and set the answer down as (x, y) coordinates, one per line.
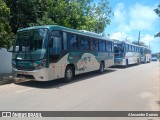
(5, 61)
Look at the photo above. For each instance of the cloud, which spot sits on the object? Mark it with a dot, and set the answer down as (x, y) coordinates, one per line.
(128, 20)
(121, 36)
(147, 38)
(119, 13)
(142, 17)
(136, 17)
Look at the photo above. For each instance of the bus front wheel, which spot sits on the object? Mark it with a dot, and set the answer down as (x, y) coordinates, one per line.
(69, 73)
(138, 61)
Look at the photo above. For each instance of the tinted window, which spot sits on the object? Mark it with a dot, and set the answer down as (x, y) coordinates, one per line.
(130, 49)
(64, 40)
(72, 41)
(55, 43)
(109, 46)
(127, 47)
(94, 44)
(135, 49)
(102, 46)
(83, 43)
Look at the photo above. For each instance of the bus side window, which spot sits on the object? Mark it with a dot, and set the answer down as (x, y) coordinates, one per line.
(130, 48)
(72, 41)
(83, 43)
(102, 45)
(93, 44)
(64, 40)
(56, 47)
(108, 46)
(126, 47)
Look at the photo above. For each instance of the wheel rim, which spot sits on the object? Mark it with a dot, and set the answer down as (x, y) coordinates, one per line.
(69, 74)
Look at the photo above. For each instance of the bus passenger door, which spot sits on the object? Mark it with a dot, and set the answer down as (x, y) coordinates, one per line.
(55, 50)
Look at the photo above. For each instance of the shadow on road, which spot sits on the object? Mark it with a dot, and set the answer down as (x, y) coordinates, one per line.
(59, 82)
(122, 67)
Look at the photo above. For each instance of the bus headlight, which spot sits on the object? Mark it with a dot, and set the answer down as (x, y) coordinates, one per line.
(42, 65)
(39, 67)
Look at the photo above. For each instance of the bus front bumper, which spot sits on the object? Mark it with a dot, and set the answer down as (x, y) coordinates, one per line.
(22, 75)
(118, 61)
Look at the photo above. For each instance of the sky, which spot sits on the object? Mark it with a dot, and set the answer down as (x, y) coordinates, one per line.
(132, 16)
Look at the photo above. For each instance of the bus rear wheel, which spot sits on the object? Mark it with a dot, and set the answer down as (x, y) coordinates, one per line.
(138, 61)
(126, 65)
(69, 73)
(101, 68)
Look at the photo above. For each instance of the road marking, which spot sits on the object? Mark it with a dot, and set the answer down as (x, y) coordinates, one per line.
(24, 90)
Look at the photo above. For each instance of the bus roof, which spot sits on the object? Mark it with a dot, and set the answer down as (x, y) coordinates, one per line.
(57, 27)
(117, 41)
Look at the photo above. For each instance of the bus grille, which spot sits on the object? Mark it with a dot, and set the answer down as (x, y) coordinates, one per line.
(25, 68)
(25, 76)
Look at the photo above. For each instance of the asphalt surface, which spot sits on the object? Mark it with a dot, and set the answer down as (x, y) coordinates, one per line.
(136, 88)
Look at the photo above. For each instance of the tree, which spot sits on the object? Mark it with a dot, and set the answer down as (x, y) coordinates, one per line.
(76, 14)
(157, 34)
(157, 10)
(5, 30)
(101, 13)
(26, 12)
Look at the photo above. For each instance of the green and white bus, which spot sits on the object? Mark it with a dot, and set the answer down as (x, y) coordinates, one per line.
(50, 52)
(126, 53)
(145, 54)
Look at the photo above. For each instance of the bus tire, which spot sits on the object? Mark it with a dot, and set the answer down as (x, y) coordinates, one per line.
(138, 61)
(69, 74)
(101, 68)
(126, 65)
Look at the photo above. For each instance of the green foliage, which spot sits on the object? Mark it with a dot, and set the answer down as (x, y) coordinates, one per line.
(76, 14)
(25, 12)
(5, 30)
(157, 10)
(45, 20)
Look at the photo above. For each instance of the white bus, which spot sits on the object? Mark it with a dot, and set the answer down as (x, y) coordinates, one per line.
(126, 53)
(45, 53)
(145, 54)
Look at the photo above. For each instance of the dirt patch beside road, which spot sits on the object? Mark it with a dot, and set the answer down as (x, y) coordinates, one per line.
(6, 78)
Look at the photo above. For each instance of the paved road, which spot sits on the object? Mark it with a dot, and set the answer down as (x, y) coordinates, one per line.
(136, 88)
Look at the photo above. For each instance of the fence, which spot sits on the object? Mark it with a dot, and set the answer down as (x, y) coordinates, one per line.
(5, 61)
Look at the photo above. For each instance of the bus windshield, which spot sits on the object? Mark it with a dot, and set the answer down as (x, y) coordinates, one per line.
(118, 50)
(141, 51)
(29, 45)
